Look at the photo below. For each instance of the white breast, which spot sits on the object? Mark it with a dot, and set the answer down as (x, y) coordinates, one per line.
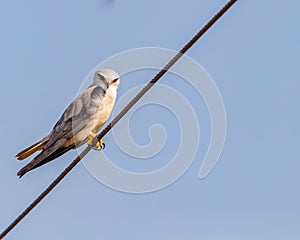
(105, 108)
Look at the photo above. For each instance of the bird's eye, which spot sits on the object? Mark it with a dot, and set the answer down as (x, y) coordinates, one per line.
(115, 80)
(101, 77)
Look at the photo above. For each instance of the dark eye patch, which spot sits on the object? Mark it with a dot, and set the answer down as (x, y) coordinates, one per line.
(101, 77)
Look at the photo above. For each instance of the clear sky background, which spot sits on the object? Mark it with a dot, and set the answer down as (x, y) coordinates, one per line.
(48, 47)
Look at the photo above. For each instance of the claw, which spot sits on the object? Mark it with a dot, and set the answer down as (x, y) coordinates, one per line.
(94, 143)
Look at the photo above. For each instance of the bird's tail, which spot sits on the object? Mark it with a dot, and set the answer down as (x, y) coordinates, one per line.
(32, 149)
(41, 159)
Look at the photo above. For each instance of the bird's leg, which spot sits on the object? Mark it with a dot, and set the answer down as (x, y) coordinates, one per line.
(95, 143)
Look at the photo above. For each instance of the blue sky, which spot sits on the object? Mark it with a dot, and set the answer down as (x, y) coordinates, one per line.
(48, 48)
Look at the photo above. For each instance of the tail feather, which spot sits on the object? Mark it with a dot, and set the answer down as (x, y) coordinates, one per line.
(40, 160)
(32, 149)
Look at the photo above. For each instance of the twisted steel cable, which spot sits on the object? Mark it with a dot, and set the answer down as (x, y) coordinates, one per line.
(119, 116)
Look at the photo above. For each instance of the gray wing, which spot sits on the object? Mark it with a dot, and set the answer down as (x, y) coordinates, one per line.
(75, 118)
(78, 116)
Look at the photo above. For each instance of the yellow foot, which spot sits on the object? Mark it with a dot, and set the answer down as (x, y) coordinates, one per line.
(94, 143)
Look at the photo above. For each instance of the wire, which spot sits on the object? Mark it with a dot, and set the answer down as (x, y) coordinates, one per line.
(118, 117)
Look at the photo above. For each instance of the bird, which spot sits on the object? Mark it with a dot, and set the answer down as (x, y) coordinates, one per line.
(79, 123)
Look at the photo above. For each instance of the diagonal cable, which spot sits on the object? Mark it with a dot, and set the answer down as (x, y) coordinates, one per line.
(118, 117)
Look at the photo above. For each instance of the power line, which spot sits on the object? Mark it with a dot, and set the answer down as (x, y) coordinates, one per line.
(119, 116)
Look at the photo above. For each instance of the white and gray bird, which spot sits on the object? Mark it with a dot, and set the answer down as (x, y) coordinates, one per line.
(79, 123)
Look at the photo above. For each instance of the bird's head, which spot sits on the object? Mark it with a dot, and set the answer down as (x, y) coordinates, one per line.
(107, 78)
